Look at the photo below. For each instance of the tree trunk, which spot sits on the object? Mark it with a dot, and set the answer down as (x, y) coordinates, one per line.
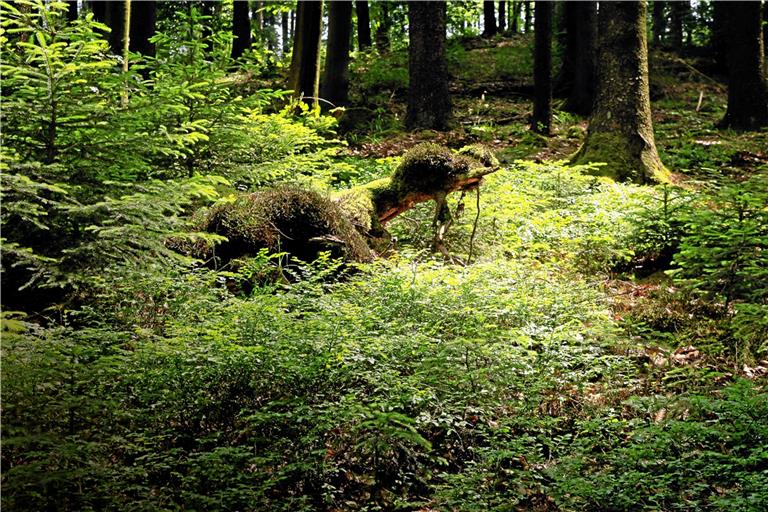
(241, 28)
(429, 104)
(659, 22)
(363, 25)
(719, 39)
(765, 25)
(577, 76)
(489, 19)
(747, 102)
(514, 21)
(305, 62)
(541, 122)
(115, 19)
(502, 15)
(620, 130)
(208, 9)
(257, 15)
(143, 19)
(269, 31)
(284, 24)
(677, 12)
(99, 10)
(382, 32)
(528, 16)
(71, 10)
(335, 83)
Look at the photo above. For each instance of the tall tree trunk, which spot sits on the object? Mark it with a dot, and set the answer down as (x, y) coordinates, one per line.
(578, 73)
(747, 101)
(143, 19)
(489, 19)
(257, 15)
(335, 83)
(765, 25)
(429, 104)
(620, 130)
(382, 32)
(269, 31)
(659, 22)
(363, 25)
(99, 10)
(541, 121)
(293, 25)
(284, 24)
(502, 16)
(305, 62)
(71, 10)
(514, 20)
(241, 28)
(677, 12)
(528, 12)
(719, 39)
(115, 19)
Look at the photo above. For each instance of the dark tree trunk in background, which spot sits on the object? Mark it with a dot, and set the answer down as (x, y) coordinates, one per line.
(429, 104)
(257, 15)
(293, 26)
(659, 22)
(678, 12)
(514, 20)
(284, 24)
(502, 16)
(765, 25)
(489, 19)
(99, 9)
(620, 128)
(269, 31)
(241, 28)
(541, 121)
(115, 19)
(143, 20)
(720, 36)
(528, 16)
(71, 10)
(747, 102)
(363, 25)
(335, 82)
(382, 32)
(578, 74)
(305, 62)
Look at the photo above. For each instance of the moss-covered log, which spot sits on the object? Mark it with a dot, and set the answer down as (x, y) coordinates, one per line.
(351, 223)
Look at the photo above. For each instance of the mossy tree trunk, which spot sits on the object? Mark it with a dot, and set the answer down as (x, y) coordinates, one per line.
(620, 129)
(305, 62)
(747, 102)
(578, 72)
(659, 22)
(363, 25)
(429, 103)
(241, 28)
(335, 83)
(541, 121)
(143, 20)
(502, 16)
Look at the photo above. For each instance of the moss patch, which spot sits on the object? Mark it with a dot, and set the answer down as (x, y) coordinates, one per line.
(300, 222)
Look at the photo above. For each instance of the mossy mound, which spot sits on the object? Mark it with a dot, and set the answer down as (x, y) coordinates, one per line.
(301, 223)
(428, 168)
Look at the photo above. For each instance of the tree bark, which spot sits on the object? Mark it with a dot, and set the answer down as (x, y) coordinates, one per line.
(489, 19)
(382, 32)
(305, 62)
(678, 12)
(99, 10)
(115, 19)
(363, 25)
(143, 20)
(528, 11)
(335, 83)
(284, 25)
(541, 121)
(620, 129)
(429, 103)
(514, 21)
(659, 22)
(241, 28)
(719, 39)
(578, 74)
(269, 31)
(747, 101)
(502, 15)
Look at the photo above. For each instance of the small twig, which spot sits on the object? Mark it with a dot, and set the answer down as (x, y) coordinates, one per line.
(474, 229)
(701, 98)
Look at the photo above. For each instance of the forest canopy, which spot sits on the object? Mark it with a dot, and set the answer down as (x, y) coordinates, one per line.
(392, 255)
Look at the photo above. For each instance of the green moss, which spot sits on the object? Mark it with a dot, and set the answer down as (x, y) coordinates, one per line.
(480, 153)
(300, 222)
(623, 161)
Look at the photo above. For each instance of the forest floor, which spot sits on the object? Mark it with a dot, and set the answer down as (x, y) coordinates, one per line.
(562, 369)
